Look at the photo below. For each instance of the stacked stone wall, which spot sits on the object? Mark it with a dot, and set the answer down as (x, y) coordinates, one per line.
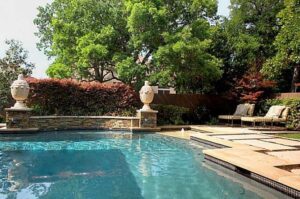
(82, 122)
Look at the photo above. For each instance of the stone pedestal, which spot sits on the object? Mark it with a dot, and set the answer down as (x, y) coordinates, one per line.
(17, 118)
(148, 118)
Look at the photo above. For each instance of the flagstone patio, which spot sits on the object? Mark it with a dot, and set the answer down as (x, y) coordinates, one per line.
(264, 156)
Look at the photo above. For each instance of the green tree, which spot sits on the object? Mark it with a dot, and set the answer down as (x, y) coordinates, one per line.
(164, 41)
(173, 38)
(253, 23)
(85, 37)
(287, 44)
(244, 41)
(12, 64)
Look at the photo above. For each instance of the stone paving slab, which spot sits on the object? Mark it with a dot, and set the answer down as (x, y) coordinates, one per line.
(222, 129)
(275, 131)
(292, 181)
(265, 145)
(287, 155)
(283, 141)
(225, 143)
(296, 171)
(260, 167)
(249, 156)
(242, 137)
(217, 129)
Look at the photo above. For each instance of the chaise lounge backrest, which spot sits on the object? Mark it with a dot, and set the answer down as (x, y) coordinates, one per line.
(244, 110)
(278, 112)
(285, 113)
(251, 109)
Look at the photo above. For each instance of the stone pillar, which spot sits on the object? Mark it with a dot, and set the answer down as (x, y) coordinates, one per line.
(17, 118)
(18, 115)
(148, 118)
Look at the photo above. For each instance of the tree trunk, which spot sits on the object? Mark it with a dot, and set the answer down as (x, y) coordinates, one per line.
(295, 79)
(98, 75)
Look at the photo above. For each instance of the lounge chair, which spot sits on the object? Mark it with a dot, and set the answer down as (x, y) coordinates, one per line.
(241, 110)
(276, 114)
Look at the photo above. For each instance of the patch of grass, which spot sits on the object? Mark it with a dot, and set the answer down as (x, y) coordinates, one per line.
(292, 135)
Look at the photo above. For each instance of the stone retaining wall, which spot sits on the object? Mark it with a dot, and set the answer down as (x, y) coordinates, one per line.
(17, 118)
(46, 123)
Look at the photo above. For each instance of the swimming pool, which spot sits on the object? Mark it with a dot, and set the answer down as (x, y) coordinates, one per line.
(108, 165)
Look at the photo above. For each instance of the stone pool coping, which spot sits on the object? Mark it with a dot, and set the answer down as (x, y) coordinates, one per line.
(167, 128)
(257, 163)
(4, 130)
(37, 130)
(85, 117)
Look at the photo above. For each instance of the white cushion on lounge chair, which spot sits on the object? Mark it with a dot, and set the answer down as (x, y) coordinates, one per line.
(241, 110)
(275, 111)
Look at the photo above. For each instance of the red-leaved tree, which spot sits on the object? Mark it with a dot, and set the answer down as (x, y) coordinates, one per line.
(252, 87)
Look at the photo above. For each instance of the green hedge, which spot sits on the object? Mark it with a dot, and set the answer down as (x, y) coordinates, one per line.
(169, 114)
(69, 97)
(294, 104)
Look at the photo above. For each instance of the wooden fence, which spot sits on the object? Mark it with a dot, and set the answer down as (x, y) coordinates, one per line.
(216, 104)
(288, 96)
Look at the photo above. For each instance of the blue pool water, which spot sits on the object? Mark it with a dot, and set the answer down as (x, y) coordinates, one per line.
(87, 165)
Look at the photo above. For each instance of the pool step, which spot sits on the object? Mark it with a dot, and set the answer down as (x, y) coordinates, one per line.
(207, 142)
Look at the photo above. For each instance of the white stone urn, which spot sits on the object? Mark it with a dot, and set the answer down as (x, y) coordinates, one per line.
(19, 91)
(146, 96)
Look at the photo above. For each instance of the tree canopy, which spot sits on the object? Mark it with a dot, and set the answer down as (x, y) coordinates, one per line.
(166, 42)
(173, 38)
(287, 45)
(84, 37)
(244, 41)
(180, 43)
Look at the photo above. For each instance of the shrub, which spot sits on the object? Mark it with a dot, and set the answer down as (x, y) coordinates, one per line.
(213, 121)
(169, 114)
(69, 97)
(294, 104)
(252, 87)
(201, 114)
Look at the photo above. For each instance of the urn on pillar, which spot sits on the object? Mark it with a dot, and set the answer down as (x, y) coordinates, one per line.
(146, 96)
(19, 91)
(18, 115)
(147, 116)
